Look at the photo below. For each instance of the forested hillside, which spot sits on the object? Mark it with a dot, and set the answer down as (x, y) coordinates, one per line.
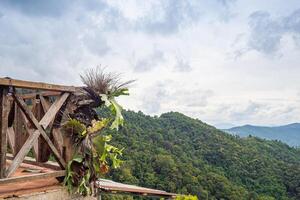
(289, 134)
(179, 154)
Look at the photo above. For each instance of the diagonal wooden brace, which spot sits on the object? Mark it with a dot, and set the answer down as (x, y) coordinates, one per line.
(40, 126)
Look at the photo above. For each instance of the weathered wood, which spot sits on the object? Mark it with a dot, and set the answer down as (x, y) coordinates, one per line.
(29, 131)
(58, 140)
(68, 149)
(35, 85)
(11, 139)
(32, 177)
(10, 132)
(4, 107)
(45, 94)
(31, 161)
(56, 134)
(45, 121)
(45, 103)
(20, 135)
(55, 107)
(43, 151)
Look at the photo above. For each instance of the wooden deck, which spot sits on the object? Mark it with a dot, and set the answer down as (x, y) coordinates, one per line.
(21, 188)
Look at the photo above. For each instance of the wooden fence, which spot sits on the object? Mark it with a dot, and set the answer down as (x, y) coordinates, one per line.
(30, 115)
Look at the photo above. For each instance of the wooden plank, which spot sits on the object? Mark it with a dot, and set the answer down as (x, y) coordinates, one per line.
(55, 107)
(3, 129)
(20, 135)
(56, 135)
(43, 151)
(58, 140)
(32, 177)
(11, 139)
(30, 128)
(29, 160)
(29, 131)
(10, 132)
(35, 85)
(35, 94)
(45, 103)
(45, 121)
(45, 94)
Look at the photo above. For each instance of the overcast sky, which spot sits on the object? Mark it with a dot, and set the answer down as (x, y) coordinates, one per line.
(221, 61)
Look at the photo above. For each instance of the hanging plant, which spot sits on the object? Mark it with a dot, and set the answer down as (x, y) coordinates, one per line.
(93, 155)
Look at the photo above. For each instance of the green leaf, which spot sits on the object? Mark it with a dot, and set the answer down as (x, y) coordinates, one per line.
(115, 108)
(122, 91)
(97, 125)
(77, 158)
(74, 126)
(99, 143)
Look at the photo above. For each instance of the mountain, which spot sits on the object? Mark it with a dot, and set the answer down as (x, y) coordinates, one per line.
(289, 134)
(179, 154)
(224, 125)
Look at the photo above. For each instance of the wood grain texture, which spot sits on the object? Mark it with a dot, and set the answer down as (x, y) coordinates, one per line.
(11, 139)
(35, 85)
(32, 177)
(4, 109)
(40, 126)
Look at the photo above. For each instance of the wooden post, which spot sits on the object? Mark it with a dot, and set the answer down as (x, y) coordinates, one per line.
(20, 134)
(3, 129)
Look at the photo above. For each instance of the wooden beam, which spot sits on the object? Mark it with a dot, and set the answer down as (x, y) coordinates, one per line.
(57, 135)
(45, 121)
(20, 135)
(11, 139)
(32, 177)
(54, 108)
(31, 161)
(35, 85)
(45, 103)
(4, 107)
(45, 94)
(29, 132)
(43, 151)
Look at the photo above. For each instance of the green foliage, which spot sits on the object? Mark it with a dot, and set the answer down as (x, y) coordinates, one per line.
(92, 159)
(75, 129)
(115, 108)
(186, 156)
(186, 197)
(93, 153)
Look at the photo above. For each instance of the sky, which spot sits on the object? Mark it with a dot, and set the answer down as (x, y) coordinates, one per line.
(225, 62)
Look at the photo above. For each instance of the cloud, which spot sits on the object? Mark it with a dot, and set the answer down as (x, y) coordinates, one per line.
(169, 95)
(267, 32)
(150, 61)
(247, 111)
(53, 8)
(54, 41)
(154, 97)
(182, 65)
(168, 16)
(194, 98)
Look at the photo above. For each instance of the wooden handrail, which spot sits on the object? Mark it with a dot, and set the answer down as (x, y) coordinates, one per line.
(35, 85)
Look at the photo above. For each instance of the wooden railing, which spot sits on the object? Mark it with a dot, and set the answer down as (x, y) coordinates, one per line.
(29, 121)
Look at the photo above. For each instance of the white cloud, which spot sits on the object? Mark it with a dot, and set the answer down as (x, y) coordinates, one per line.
(202, 58)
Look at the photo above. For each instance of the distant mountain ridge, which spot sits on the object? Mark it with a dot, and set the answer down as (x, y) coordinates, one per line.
(289, 134)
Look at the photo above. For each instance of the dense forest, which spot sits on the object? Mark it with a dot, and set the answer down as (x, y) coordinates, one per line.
(179, 154)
